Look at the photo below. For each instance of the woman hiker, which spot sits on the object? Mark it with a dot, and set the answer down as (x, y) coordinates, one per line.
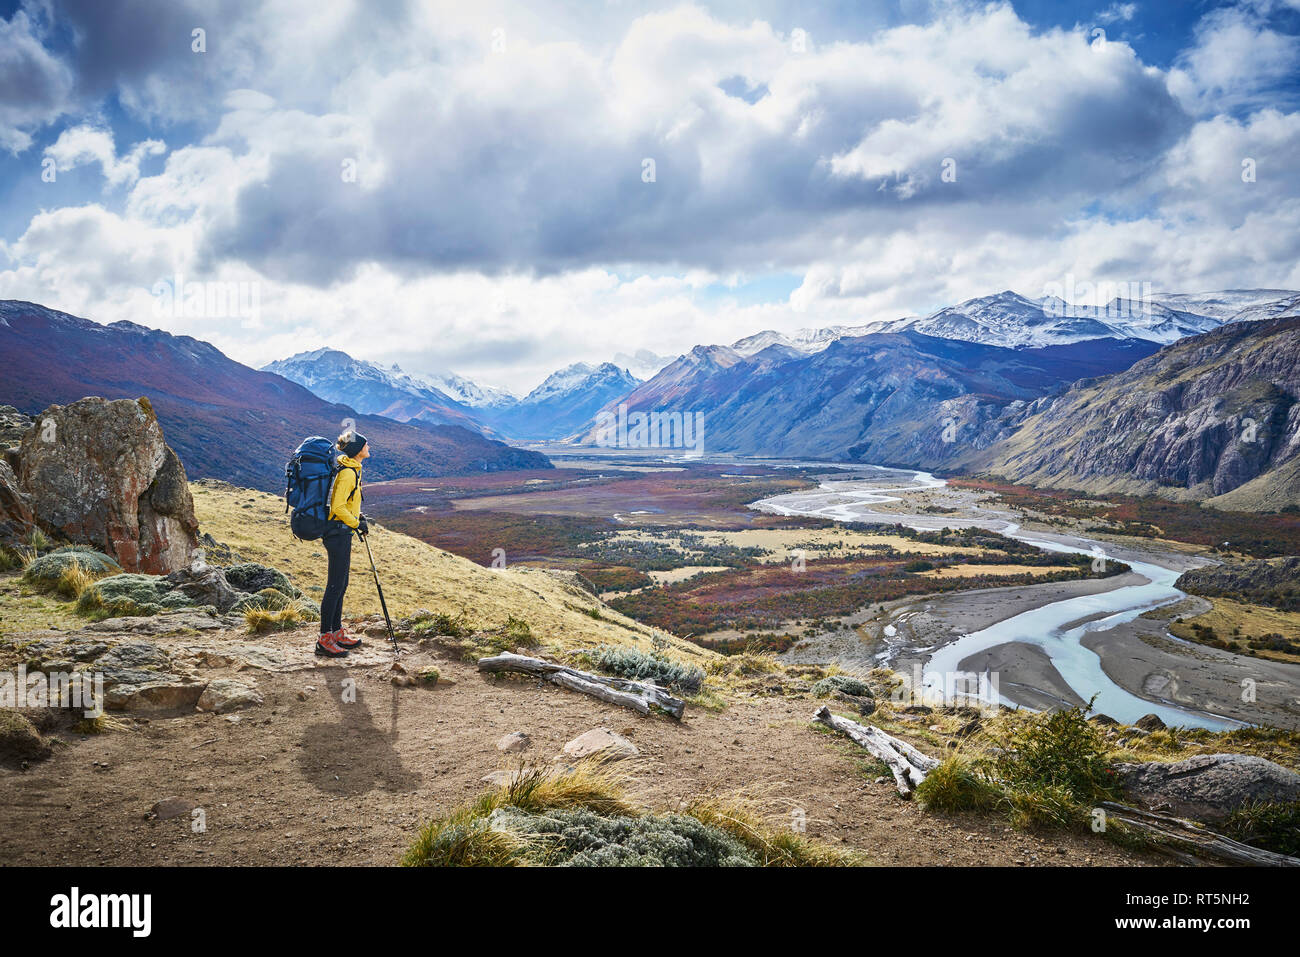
(344, 518)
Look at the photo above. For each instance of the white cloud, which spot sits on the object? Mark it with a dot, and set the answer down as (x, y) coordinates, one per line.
(499, 224)
(80, 145)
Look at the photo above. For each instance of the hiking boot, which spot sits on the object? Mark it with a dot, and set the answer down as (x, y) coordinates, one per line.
(327, 647)
(344, 640)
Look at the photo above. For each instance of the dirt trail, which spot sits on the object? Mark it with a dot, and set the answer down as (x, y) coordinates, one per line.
(308, 779)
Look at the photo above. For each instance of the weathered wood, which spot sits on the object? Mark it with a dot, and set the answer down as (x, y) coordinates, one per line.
(1183, 836)
(638, 695)
(603, 692)
(908, 765)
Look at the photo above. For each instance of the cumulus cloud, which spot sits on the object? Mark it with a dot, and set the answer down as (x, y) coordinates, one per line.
(80, 145)
(35, 87)
(469, 183)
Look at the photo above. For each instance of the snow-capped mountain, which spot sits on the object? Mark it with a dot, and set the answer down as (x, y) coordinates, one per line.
(1014, 321)
(564, 402)
(372, 389)
(803, 340)
(1231, 305)
(643, 363)
(467, 391)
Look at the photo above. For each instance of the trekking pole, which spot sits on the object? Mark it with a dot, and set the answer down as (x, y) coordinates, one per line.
(380, 588)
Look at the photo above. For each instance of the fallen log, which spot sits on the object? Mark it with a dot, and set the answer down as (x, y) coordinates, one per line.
(637, 695)
(909, 766)
(1182, 837)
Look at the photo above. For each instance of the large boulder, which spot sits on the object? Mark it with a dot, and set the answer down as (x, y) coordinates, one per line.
(1209, 787)
(16, 518)
(99, 472)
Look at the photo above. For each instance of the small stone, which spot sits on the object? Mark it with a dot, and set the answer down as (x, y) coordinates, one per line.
(602, 744)
(170, 807)
(226, 694)
(514, 742)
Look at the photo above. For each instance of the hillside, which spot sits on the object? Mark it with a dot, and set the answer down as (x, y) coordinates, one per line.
(887, 398)
(1212, 418)
(224, 419)
(416, 575)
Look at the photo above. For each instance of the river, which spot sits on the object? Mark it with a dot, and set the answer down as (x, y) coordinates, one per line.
(1054, 627)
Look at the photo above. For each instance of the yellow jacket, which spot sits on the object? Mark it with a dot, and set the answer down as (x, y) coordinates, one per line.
(345, 497)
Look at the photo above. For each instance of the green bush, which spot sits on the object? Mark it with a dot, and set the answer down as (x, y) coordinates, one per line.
(639, 666)
(46, 571)
(845, 683)
(957, 786)
(131, 594)
(1058, 749)
(578, 838)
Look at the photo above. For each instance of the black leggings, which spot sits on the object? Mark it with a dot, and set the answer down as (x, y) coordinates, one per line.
(338, 546)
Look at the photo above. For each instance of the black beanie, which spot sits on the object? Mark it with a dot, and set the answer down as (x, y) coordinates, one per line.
(353, 447)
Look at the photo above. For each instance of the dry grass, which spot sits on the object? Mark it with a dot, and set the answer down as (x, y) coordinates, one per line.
(1235, 622)
(418, 576)
(462, 838)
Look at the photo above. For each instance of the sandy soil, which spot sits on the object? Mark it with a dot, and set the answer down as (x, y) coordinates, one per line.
(307, 779)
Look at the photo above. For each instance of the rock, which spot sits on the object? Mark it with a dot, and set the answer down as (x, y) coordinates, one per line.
(20, 742)
(1209, 786)
(204, 585)
(226, 694)
(163, 624)
(601, 744)
(13, 425)
(16, 517)
(99, 472)
(252, 577)
(514, 742)
(501, 779)
(1103, 719)
(170, 807)
(135, 654)
(1149, 722)
(168, 693)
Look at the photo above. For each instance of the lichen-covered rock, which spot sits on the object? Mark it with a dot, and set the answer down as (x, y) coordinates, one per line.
(253, 577)
(1209, 787)
(16, 517)
(13, 425)
(204, 585)
(100, 472)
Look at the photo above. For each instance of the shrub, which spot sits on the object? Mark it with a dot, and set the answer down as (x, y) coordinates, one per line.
(638, 665)
(583, 817)
(1269, 825)
(844, 683)
(261, 620)
(453, 626)
(1058, 749)
(131, 594)
(955, 785)
(579, 838)
(80, 564)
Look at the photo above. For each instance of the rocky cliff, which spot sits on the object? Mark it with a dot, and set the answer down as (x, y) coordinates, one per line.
(1214, 417)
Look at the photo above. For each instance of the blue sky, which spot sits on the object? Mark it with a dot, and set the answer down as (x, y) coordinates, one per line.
(503, 188)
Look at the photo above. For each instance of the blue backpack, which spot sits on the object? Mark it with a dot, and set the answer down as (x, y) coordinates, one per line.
(308, 481)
